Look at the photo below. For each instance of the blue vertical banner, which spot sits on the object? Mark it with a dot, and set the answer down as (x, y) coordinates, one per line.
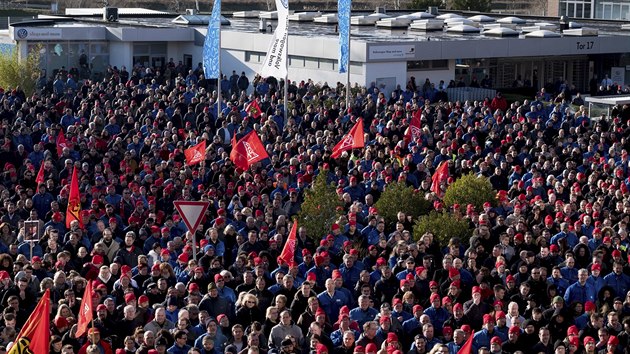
(211, 46)
(343, 15)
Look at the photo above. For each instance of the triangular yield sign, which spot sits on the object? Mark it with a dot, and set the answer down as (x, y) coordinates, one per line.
(191, 212)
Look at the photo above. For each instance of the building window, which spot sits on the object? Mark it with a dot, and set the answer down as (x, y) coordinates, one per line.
(613, 11)
(327, 64)
(311, 63)
(427, 65)
(575, 8)
(254, 57)
(86, 60)
(149, 55)
(296, 61)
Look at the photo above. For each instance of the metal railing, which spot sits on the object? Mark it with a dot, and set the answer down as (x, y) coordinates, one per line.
(469, 94)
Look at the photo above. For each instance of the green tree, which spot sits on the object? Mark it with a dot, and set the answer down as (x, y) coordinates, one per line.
(471, 5)
(22, 73)
(320, 208)
(399, 197)
(470, 189)
(443, 226)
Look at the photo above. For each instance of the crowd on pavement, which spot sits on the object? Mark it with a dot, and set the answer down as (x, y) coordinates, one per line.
(545, 271)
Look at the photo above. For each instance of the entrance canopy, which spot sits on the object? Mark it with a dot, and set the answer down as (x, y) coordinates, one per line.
(605, 102)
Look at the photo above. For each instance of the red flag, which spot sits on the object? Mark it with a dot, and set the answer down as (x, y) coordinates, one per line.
(467, 347)
(195, 154)
(247, 151)
(288, 252)
(61, 142)
(353, 140)
(86, 315)
(254, 109)
(413, 132)
(34, 336)
(40, 175)
(440, 175)
(417, 114)
(74, 201)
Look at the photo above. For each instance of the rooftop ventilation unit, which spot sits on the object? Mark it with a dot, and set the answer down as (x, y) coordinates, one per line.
(512, 20)
(581, 32)
(543, 34)
(462, 29)
(110, 14)
(482, 18)
(564, 23)
(500, 32)
(427, 25)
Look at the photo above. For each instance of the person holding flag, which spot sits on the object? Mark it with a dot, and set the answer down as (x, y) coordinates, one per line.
(253, 109)
(413, 132)
(467, 348)
(73, 213)
(35, 335)
(61, 142)
(353, 140)
(86, 311)
(288, 251)
(94, 338)
(195, 154)
(247, 151)
(41, 174)
(440, 176)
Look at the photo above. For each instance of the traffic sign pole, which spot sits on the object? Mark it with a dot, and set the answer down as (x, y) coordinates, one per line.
(192, 213)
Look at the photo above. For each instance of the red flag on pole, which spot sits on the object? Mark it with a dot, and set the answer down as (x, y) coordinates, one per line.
(195, 154)
(247, 151)
(253, 108)
(467, 347)
(417, 113)
(34, 337)
(440, 175)
(353, 140)
(74, 201)
(86, 311)
(413, 132)
(288, 252)
(61, 142)
(40, 175)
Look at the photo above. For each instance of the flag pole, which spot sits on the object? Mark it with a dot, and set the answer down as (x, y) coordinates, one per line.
(348, 64)
(194, 244)
(93, 334)
(286, 77)
(286, 82)
(220, 78)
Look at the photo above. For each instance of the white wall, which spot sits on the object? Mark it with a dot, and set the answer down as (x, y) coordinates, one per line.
(121, 54)
(433, 75)
(22, 48)
(235, 60)
(331, 77)
(395, 70)
(174, 51)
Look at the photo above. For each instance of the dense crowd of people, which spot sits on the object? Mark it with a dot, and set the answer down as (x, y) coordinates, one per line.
(546, 269)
